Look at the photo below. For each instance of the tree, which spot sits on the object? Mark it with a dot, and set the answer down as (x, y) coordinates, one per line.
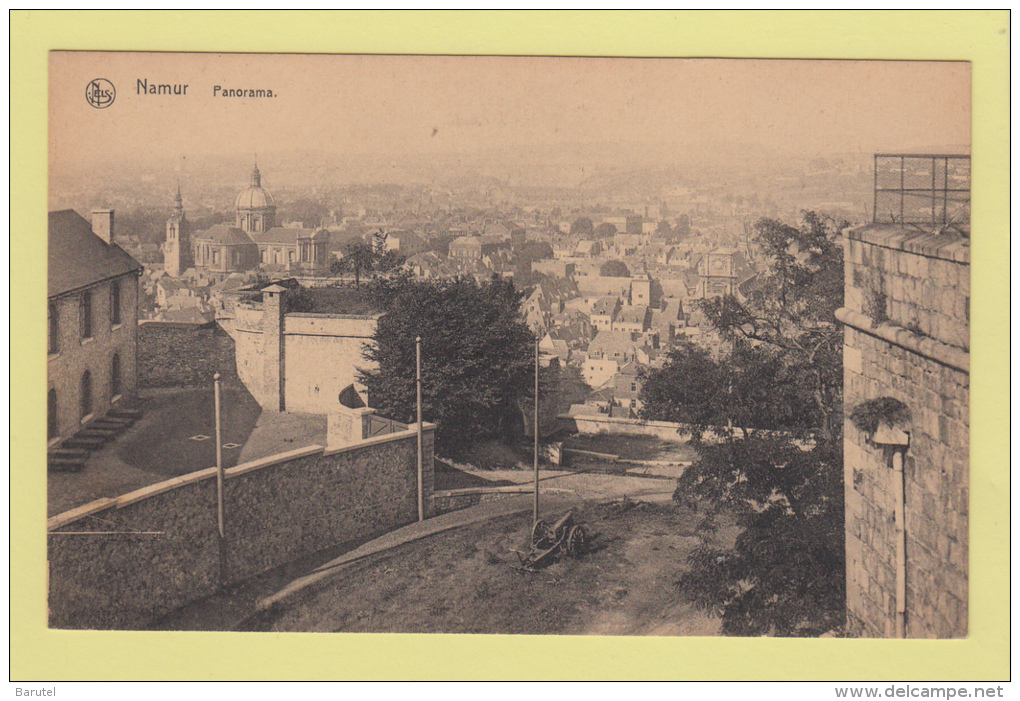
(389, 260)
(683, 227)
(476, 358)
(605, 230)
(786, 574)
(793, 310)
(783, 374)
(663, 228)
(532, 251)
(582, 226)
(358, 258)
(750, 390)
(614, 268)
(379, 243)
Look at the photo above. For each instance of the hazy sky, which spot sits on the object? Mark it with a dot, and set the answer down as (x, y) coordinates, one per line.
(398, 105)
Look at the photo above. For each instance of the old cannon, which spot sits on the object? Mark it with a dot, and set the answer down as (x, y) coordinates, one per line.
(549, 543)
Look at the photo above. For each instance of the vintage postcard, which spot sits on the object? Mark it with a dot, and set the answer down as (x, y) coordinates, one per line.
(508, 345)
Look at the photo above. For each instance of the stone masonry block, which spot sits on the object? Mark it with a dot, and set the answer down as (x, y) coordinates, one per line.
(853, 299)
(852, 360)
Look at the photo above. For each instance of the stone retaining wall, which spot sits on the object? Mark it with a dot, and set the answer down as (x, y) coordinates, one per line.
(120, 563)
(184, 355)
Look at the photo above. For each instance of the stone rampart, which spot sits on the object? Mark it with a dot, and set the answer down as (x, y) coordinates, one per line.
(120, 563)
(907, 338)
(303, 362)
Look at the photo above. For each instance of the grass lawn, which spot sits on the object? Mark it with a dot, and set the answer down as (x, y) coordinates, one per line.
(163, 441)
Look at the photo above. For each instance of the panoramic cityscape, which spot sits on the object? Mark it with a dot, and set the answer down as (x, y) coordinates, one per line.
(508, 345)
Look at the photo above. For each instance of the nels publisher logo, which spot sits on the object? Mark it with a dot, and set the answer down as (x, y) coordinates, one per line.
(100, 93)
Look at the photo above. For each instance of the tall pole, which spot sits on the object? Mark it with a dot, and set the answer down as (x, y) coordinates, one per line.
(219, 458)
(535, 511)
(421, 487)
(221, 540)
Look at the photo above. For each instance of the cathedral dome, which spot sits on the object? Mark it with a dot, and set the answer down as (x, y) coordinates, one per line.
(255, 197)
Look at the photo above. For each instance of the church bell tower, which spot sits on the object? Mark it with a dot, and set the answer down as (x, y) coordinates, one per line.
(177, 249)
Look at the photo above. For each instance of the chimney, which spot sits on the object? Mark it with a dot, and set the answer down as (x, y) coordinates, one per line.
(102, 224)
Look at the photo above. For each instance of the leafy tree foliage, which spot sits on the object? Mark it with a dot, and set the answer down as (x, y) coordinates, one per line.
(786, 574)
(792, 311)
(359, 257)
(775, 403)
(751, 389)
(534, 250)
(582, 226)
(605, 230)
(310, 213)
(389, 260)
(683, 227)
(476, 358)
(614, 268)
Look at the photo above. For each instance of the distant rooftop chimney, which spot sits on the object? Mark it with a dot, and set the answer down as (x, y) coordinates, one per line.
(102, 224)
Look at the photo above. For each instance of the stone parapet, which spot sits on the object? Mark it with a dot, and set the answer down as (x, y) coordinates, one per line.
(121, 562)
(906, 318)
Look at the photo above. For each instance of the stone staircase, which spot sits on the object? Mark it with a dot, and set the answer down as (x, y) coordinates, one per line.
(72, 454)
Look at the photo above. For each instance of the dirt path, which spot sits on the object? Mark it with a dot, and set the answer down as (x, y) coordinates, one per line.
(463, 581)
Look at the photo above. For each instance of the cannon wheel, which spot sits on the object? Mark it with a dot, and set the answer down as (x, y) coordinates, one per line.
(542, 534)
(577, 538)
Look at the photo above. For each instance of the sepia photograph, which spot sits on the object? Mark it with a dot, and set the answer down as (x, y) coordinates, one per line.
(509, 345)
(514, 345)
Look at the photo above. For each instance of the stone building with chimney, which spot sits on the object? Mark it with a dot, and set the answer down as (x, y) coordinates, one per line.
(92, 299)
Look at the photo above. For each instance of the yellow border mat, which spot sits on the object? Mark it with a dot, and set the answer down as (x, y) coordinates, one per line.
(979, 37)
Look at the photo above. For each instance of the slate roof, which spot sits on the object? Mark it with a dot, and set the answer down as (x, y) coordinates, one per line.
(604, 306)
(632, 314)
(612, 344)
(224, 234)
(78, 258)
(287, 235)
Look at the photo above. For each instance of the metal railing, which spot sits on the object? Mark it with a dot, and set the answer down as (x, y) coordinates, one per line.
(928, 191)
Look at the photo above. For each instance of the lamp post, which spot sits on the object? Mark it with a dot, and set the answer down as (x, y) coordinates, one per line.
(535, 510)
(421, 487)
(219, 458)
(221, 530)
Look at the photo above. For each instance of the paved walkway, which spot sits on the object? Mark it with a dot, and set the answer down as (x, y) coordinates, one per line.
(281, 432)
(570, 489)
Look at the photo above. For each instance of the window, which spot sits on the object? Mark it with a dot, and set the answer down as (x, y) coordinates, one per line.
(115, 375)
(86, 314)
(290, 255)
(216, 256)
(54, 316)
(115, 303)
(51, 414)
(633, 387)
(86, 394)
(265, 256)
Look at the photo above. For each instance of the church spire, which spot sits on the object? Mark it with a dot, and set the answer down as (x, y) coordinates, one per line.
(256, 177)
(178, 213)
